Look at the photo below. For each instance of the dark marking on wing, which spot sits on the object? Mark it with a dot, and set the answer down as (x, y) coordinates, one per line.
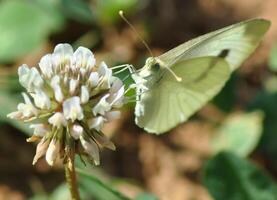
(223, 54)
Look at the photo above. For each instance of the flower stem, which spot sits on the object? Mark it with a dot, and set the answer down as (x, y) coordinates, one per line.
(71, 180)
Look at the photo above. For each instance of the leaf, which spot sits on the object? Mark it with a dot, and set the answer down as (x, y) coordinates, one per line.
(107, 10)
(51, 11)
(270, 84)
(267, 103)
(97, 189)
(77, 9)
(226, 99)
(61, 192)
(239, 133)
(39, 197)
(273, 59)
(229, 177)
(146, 196)
(24, 26)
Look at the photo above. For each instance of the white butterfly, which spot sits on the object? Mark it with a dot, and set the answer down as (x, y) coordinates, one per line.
(174, 85)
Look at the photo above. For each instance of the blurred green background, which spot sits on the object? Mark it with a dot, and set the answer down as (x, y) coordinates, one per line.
(227, 151)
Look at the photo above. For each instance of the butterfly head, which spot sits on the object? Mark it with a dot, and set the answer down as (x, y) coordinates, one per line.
(152, 65)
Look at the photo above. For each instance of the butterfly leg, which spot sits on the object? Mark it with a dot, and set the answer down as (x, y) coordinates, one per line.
(124, 67)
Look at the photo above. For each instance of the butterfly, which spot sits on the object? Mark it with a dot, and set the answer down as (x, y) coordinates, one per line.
(173, 86)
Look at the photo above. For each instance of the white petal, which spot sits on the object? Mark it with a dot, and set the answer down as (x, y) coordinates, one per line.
(55, 84)
(83, 72)
(35, 80)
(116, 99)
(55, 81)
(92, 149)
(40, 129)
(84, 94)
(93, 79)
(110, 116)
(102, 106)
(63, 55)
(104, 70)
(27, 109)
(96, 123)
(106, 75)
(23, 73)
(84, 58)
(117, 85)
(63, 49)
(15, 115)
(26, 98)
(29, 78)
(103, 140)
(72, 109)
(76, 131)
(41, 99)
(58, 94)
(41, 150)
(52, 152)
(57, 120)
(73, 85)
(45, 65)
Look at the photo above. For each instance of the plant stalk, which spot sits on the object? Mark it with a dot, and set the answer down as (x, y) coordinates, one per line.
(71, 180)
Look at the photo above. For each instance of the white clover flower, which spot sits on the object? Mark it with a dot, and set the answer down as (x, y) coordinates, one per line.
(71, 98)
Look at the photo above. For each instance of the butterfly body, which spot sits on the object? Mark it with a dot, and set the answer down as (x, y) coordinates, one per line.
(173, 86)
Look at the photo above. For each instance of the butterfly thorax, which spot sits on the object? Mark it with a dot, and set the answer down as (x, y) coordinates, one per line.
(145, 80)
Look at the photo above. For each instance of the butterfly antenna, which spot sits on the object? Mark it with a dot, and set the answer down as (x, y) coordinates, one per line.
(136, 32)
(179, 79)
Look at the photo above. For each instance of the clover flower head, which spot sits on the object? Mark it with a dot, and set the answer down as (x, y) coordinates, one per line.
(68, 100)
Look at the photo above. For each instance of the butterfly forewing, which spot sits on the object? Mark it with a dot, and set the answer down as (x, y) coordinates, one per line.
(238, 41)
(169, 102)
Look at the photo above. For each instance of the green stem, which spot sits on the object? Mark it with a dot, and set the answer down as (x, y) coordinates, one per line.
(71, 180)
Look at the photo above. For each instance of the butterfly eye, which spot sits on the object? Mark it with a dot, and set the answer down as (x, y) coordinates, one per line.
(156, 66)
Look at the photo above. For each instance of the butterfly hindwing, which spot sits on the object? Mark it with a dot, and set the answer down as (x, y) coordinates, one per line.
(169, 102)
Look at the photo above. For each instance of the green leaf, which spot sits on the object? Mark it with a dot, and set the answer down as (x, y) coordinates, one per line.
(226, 99)
(229, 177)
(273, 59)
(97, 189)
(107, 10)
(270, 84)
(77, 9)
(24, 26)
(146, 196)
(50, 9)
(61, 192)
(239, 133)
(39, 197)
(266, 101)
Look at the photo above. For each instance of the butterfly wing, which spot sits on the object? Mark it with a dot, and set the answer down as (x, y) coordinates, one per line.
(238, 41)
(169, 103)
